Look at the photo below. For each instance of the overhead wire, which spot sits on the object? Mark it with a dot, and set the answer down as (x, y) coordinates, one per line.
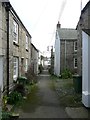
(60, 14)
(44, 8)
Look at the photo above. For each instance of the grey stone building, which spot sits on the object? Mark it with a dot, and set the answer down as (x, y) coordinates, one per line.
(83, 29)
(65, 50)
(34, 58)
(15, 47)
(52, 62)
(83, 24)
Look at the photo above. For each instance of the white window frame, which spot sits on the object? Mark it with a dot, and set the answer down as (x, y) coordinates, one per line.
(75, 46)
(27, 42)
(75, 62)
(15, 68)
(26, 65)
(15, 31)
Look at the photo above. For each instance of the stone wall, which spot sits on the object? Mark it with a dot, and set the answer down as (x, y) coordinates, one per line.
(14, 50)
(34, 59)
(19, 49)
(52, 61)
(83, 24)
(68, 55)
(3, 41)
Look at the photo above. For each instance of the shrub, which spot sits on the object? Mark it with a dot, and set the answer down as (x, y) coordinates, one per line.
(31, 76)
(40, 68)
(4, 100)
(66, 74)
(22, 80)
(14, 97)
(20, 88)
(5, 115)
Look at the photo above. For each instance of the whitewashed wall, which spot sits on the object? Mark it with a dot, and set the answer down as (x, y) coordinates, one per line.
(85, 69)
(57, 56)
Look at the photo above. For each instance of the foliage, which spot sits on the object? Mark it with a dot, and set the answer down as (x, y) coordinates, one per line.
(50, 70)
(41, 57)
(5, 115)
(14, 97)
(9, 115)
(22, 80)
(65, 91)
(40, 68)
(4, 100)
(31, 76)
(66, 74)
(20, 88)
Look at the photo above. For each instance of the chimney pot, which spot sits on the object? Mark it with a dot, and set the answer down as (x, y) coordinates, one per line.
(58, 25)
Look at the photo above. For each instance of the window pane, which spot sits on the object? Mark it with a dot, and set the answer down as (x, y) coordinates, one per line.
(15, 31)
(26, 64)
(15, 67)
(75, 62)
(26, 42)
(75, 46)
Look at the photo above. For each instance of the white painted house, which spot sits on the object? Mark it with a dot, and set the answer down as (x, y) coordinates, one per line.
(86, 69)
(83, 29)
(57, 53)
(65, 50)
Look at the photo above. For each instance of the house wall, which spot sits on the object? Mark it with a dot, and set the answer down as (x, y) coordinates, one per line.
(34, 59)
(83, 28)
(18, 50)
(67, 55)
(3, 41)
(84, 23)
(57, 55)
(52, 61)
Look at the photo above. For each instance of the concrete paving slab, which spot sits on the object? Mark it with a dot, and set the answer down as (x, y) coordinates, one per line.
(80, 112)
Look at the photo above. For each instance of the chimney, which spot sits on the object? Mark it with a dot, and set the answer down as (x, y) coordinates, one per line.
(58, 25)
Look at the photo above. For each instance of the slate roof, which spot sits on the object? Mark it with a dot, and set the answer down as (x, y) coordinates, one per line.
(67, 34)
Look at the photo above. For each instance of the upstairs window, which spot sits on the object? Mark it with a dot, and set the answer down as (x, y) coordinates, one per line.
(26, 42)
(15, 31)
(75, 62)
(75, 46)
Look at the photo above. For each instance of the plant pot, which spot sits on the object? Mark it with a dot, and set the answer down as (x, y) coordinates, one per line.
(14, 116)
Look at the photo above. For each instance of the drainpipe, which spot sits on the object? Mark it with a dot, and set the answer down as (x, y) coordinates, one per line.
(65, 54)
(7, 10)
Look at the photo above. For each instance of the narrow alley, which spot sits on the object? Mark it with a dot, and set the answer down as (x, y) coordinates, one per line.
(48, 106)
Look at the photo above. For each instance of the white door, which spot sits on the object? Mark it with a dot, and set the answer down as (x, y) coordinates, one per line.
(1, 73)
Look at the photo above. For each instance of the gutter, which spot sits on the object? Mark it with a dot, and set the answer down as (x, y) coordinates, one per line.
(7, 6)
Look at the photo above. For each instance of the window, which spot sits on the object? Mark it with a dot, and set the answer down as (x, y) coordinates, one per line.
(75, 62)
(75, 46)
(26, 65)
(26, 42)
(15, 68)
(15, 31)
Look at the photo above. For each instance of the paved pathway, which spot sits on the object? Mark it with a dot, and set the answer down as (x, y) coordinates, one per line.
(49, 106)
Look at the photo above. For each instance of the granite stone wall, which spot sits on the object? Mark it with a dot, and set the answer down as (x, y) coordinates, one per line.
(83, 24)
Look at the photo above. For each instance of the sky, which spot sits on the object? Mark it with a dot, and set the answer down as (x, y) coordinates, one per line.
(41, 16)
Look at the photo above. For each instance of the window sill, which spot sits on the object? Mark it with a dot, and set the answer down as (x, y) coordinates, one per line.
(16, 44)
(75, 67)
(75, 51)
(14, 78)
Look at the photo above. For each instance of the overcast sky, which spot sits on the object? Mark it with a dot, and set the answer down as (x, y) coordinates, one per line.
(41, 16)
